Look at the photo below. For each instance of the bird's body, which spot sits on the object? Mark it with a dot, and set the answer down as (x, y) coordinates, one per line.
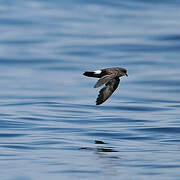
(109, 77)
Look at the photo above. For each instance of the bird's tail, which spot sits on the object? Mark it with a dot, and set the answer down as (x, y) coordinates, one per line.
(91, 74)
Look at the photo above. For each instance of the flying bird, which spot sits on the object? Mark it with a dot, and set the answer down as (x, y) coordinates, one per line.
(109, 77)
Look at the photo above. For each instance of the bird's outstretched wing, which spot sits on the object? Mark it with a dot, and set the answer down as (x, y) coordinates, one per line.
(107, 91)
(104, 79)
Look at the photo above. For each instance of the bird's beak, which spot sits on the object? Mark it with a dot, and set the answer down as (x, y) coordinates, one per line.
(126, 74)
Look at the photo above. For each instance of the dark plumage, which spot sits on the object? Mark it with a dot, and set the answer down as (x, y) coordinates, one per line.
(109, 77)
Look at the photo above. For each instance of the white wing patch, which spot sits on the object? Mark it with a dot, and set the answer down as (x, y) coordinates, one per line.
(97, 72)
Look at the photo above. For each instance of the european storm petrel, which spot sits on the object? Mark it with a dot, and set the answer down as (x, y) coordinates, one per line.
(109, 77)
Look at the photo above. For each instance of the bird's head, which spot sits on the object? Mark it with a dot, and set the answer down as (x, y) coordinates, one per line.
(123, 71)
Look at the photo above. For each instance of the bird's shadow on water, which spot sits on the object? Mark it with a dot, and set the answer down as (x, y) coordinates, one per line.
(102, 150)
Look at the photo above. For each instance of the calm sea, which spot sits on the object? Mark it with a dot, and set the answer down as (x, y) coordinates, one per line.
(50, 127)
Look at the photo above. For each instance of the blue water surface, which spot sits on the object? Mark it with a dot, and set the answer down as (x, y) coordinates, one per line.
(50, 127)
